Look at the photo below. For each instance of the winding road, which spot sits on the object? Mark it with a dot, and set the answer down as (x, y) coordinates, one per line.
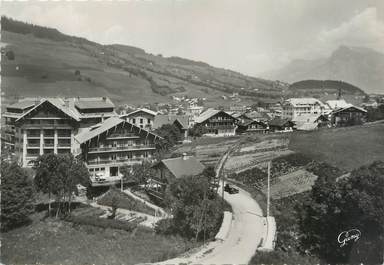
(247, 230)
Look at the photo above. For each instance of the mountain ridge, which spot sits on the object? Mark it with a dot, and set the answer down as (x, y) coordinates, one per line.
(360, 66)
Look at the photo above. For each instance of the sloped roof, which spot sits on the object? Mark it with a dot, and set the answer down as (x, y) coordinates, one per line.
(58, 103)
(304, 101)
(249, 121)
(279, 122)
(150, 112)
(337, 104)
(94, 104)
(255, 115)
(351, 106)
(180, 167)
(161, 120)
(66, 105)
(208, 114)
(100, 128)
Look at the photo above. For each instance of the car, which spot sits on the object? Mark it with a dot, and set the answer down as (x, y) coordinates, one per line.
(230, 189)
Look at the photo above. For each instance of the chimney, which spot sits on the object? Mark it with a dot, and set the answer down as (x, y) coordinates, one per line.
(184, 156)
(104, 99)
(66, 102)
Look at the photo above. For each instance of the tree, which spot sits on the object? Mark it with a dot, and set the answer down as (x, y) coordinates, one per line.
(59, 175)
(197, 131)
(17, 196)
(196, 210)
(10, 55)
(171, 135)
(354, 202)
(137, 174)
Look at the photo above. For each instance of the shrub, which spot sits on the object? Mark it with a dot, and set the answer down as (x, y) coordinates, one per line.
(279, 257)
(10, 55)
(16, 196)
(164, 226)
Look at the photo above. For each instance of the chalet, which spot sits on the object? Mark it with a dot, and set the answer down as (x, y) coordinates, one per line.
(251, 126)
(337, 104)
(107, 146)
(280, 125)
(310, 122)
(259, 116)
(35, 126)
(180, 121)
(348, 116)
(217, 123)
(142, 118)
(167, 170)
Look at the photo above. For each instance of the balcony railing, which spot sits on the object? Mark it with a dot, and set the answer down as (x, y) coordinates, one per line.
(221, 127)
(121, 148)
(221, 120)
(33, 135)
(33, 145)
(64, 146)
(62, 135)
(122, 136)
(112, 161)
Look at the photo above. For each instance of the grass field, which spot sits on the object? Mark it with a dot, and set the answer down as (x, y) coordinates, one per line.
(58, 242)
(346, 148)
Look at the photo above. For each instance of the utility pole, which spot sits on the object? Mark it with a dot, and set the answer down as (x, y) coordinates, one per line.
(268, 187)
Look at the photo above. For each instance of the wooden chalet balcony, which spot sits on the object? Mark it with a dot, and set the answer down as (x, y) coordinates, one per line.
(121, 148)
(33, 135)
(33, 145)
(116, 136)
(221, 120)
(114, 161)
(63, 135)
(221, 127)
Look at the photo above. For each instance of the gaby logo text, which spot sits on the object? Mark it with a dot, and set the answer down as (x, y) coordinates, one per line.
(346, 236)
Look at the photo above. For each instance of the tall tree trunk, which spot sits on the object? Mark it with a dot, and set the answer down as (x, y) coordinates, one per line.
(49, 204)
(58, 206)
(69, 202)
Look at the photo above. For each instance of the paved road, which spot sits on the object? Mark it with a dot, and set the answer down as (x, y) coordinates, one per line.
(245, 234)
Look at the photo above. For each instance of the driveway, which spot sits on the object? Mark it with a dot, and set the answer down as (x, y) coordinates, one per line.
(244, 237)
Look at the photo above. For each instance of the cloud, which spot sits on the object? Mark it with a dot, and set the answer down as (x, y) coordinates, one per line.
(365, 29)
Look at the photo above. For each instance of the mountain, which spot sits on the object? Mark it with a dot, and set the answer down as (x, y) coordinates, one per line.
(41, 61)
(361, 67)
(326, 90)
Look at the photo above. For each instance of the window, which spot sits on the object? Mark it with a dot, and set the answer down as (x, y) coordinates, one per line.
(133, 120)
(148, 121)
(141, 120)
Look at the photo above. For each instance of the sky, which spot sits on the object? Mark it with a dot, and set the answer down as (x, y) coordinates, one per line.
(249, 36)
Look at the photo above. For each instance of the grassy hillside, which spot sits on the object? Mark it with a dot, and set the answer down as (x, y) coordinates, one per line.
(46, 61)
(326, 90)
(346, 148)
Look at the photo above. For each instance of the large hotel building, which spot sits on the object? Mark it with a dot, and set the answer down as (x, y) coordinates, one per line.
(86, 127)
